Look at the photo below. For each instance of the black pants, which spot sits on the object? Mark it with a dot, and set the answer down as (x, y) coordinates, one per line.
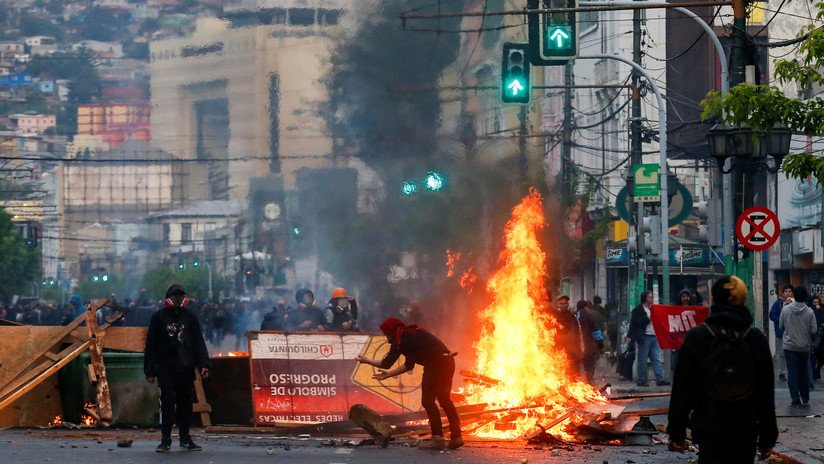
(437, 384)
(175, 401)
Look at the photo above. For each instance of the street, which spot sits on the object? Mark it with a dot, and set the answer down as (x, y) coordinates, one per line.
(800, 438)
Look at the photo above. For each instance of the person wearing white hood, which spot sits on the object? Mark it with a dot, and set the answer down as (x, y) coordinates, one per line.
(798, 323)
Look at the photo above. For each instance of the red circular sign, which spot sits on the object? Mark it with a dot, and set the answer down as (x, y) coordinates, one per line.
(757, 228)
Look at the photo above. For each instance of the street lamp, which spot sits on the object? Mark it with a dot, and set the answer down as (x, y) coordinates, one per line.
(737, 142)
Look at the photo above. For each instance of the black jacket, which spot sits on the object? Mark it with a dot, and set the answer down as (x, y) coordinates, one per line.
(638, 321)
(714, 422)
(418, 347)
(589, 328)
(568, 336)
(274, 320)
(174, 341)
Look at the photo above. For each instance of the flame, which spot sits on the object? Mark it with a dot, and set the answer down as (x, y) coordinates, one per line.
(517, 357)
(56, 422)
(452, 258)
(238, 354)
(87, 420)
(468, 280)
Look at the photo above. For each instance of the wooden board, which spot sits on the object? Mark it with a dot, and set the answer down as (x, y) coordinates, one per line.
(36, 408)
(104, 400)
(201, 406)
(18, 344)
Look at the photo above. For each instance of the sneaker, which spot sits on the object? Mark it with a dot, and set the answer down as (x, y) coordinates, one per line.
(436, 443)
(795, 403)
(782, 377)
(455, 442)
(663, 383)
(189, 445)
(165, 446)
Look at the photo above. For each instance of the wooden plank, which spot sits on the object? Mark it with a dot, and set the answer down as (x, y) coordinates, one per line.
(52, 356)
(92, 375)
(35, 357)
(73, 352)
(33, 373)
(372, 422)
(648, 412)
(104, 400)
(201, 404)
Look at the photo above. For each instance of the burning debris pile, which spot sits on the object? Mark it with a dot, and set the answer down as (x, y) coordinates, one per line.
(528, 385)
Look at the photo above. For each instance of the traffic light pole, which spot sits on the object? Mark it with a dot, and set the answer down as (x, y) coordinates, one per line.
(566, 146)
(636, 158)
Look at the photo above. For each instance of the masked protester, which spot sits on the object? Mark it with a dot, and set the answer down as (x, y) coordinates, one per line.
(568, 336)
(174, 349)
(341, 313)
(724, 386)
(274, 320)
(307, 316)
(421, 347)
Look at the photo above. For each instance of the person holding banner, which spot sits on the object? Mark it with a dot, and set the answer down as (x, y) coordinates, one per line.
(418, 346)
(724, 386)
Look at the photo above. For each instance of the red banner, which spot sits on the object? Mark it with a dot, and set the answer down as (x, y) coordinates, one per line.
(315, 377)
(671, 323)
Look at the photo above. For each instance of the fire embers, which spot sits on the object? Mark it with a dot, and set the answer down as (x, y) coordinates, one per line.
(88, 419)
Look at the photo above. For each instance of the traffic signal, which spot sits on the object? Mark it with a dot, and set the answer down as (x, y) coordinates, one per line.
(652, 224)
(434, 181)
(196, 262)
(553, 36)
(409, 187)
(515, 85)
(181, 266)
(297, 231)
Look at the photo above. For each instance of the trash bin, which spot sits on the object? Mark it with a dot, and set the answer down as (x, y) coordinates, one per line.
(134, 400)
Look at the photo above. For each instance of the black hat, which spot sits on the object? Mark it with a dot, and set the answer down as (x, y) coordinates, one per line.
(175, 289)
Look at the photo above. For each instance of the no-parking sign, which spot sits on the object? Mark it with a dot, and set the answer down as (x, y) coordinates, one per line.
(757, 228)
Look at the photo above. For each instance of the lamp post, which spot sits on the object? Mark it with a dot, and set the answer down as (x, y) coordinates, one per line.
(209, 268)
(750, 150)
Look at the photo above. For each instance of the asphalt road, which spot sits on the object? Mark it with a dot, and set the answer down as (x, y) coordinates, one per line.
(39, 446)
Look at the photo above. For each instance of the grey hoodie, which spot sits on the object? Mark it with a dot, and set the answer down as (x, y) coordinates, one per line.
(798, 323)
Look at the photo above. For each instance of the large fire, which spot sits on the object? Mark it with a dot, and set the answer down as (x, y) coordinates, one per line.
(519, 363)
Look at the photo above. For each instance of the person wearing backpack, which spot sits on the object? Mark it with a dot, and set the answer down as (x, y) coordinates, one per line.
(724, 387)
(785, 298)
(798, 323)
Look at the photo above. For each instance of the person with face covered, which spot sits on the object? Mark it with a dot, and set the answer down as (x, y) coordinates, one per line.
(174, 349)
(418, 346)
(307, 316)
(568, 335)
(274, 320)
(342, 312)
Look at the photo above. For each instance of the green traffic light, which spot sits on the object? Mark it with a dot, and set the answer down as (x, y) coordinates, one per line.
(296, 231)
(434, 181)
(196, 263)
(95, 278)
(514, 87)
(181, 266)
(105, 277)
(410, 187)
(559, 37)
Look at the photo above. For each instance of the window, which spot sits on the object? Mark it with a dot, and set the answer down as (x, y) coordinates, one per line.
(165, 232)
(329, 17)
(186, 232)
(301, 16)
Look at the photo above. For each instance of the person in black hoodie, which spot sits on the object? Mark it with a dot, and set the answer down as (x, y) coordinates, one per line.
(724, 386)
(174, 349)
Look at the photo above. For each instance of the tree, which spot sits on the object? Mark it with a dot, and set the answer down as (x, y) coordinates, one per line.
(764, 107)
(33, 25)
(19, 264)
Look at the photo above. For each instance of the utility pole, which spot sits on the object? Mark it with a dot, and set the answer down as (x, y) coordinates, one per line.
(523, 164)
(566, 146)
(636, 274)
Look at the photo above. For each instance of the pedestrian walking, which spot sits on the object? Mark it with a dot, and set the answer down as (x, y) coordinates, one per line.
(723, 387)
(646, 345)
(421, 347)
(783, 299)
(174, 349)
(797, 322)
(592, 339)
